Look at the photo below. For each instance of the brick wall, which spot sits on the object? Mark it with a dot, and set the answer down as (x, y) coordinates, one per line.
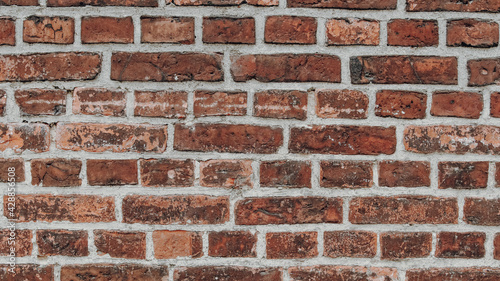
(251, 140)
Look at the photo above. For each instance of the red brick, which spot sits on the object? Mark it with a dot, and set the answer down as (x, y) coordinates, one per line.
(73, 208)
(72, 243)
(19, 240)
(404, 173)
(56, 172)
(167, 30)
(352, 31)
(286, 245)
(130, 3)
(94, 137)
(97, 30)
(232, 244)
(412, 33)
(7, 31)
(17, 164)
(453, 274)
(285, 174)
(331, 272)
(229, 30)
(346, 104)
(482, 211)
(404, 70)
(496, 245)
(286, 68)
(290, 30)
(345, 4)
(49, 67)
(401, 104)
(19, 2)
(472, 33)
(228, 138)
(158, 67)
(410, 209)
(452, 139)
(24, 136)
(451, 5)
(120, 244)
(114, 271)
(351, 244)
(288, 210)
(460, 245)
(457, 104)
(192, 209)
(346, 174)
(99, 101)
(483, 72)
(348, 140)
(41, 102)
(3, 102)
(233, 174)
(112, 172)
(227, 273)
(173, 244)
(281, 104)
(166, 104)
(167, 172)
(55, 30)
(211, 103)
(30, 272)
(495, 105)
(463, 175)
(405, 245)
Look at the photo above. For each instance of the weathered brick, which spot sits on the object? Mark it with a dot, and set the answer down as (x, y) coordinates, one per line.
(352, 31)
(167, 30)
(232, 244)
(345, 4)
(495, 105)
(233, 174)
(49, 67)
(227, 273)
(333, 272)
(17, 164)
(3, 102)
(211, 103)
(19, 240)
(401, 104)
(457, 104)
(166, 67)
(472, 33)
(56, 172)
(173, 244)
(290, 30)
(347, 104)
(453, 274)
(348, 140)
(351, 244)
(73, 208)
(41, 101)
(281, 104)
(120, 244)
(404, 70)
(189, 209)
(229, 30)
(412, 33)
(451, 5)
(463, 175)
(288, 210)
(287, 245)
(130, 3)
(99, 101)
(112, 172)
(30, 272)
(94, 137)
(72, 243)
(19, 2)
(24, 136)
(167, 172)
(460, 245)
(405, 245)
(409, 209)
(166, 104)
(286, 68)
(404, 173)
(114, 271)
(483, 72)
(285, 174)
(228, 138)
(482, 211)
(224, 2)
(97, 30)
(7, 31)
(55, 30)
(346, 174)
(496, 246)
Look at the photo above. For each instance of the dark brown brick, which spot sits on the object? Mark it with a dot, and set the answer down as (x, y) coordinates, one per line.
(227, 273)
(334, 272)
(233, 174)
(18, 241)
(286, 245)
(102, 3)
(167, 172)
(286, 174)
(401, 104)
(453, 274)
(97, 30)
(232, 244)
(229, 30)
(7, 30)
(114, 271)
(405, 245)
(463, 175)
(112, 172)
(290, 30)
(460, 245)
(29, 272)
(451, 5)
(56, 172)
(18, 169)
(120, 244)
(404, 173)
(345, 4)
(482, 211)
(72, 243)
(346, 174)
(412, 33)
(483, 72)
(351, 244)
